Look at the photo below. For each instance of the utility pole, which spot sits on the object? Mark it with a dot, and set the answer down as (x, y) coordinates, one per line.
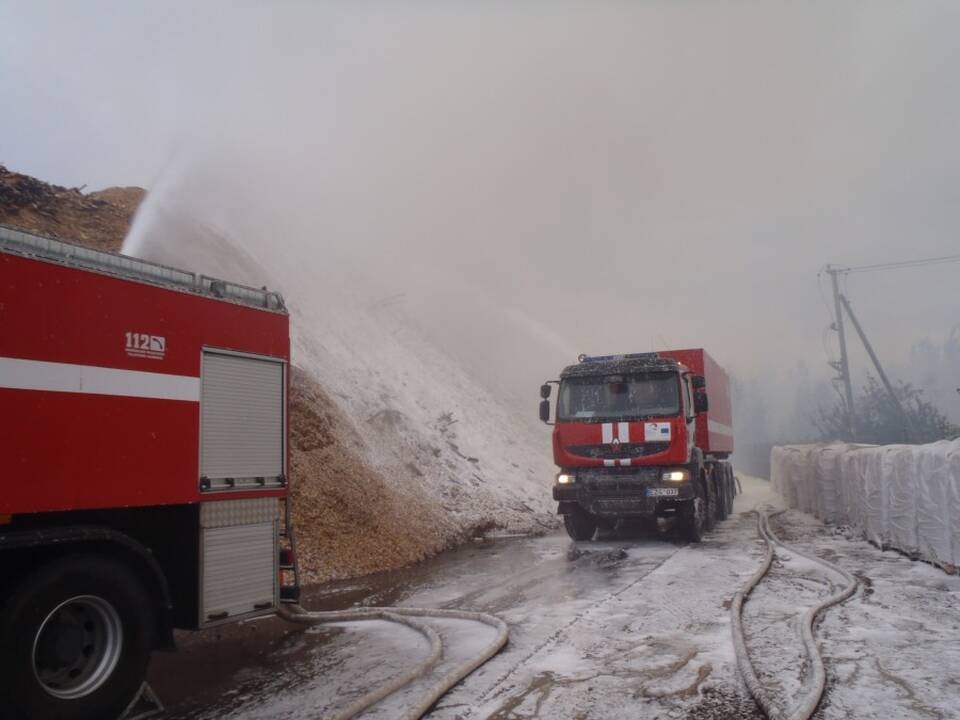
(876, 363)
(843, 366)
(839, 302)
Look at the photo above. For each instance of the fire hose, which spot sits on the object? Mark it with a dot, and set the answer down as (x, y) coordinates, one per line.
(406, 616)
(811, 699)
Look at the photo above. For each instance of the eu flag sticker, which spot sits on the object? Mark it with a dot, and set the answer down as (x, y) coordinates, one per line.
(656, 432)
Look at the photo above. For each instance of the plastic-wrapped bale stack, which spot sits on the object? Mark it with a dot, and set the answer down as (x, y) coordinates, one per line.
(901, 496)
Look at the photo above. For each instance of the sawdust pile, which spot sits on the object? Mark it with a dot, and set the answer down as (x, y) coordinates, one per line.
(350, 519)
(98, 219)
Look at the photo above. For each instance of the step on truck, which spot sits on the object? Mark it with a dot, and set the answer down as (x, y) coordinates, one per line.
(642, 436)
(144, 488)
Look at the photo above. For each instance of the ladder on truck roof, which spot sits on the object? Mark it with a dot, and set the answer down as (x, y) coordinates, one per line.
(27, 244)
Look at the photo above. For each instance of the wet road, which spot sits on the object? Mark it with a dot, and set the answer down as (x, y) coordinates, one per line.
(624, 627)
(595, 628)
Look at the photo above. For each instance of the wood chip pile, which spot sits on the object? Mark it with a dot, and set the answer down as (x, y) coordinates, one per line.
(99, 219)
(349, 518)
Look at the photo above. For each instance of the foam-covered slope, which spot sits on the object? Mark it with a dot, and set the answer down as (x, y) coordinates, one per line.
(423, 454)
(425, 424)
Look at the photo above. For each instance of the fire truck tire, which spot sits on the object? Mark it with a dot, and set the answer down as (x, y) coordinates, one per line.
(75, 640)
(693, 516)
(580, 524)
(606, 527)
(713, 501)
(731, 488)
(723, 493)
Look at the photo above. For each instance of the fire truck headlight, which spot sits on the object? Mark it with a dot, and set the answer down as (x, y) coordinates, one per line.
(565, 478)
(677, 475)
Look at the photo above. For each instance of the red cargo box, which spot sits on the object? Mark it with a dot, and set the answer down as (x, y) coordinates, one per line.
(124, 383)
(714, 427)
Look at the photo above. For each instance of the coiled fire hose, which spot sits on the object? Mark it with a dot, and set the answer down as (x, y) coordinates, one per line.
(811, 699)
(405, 616)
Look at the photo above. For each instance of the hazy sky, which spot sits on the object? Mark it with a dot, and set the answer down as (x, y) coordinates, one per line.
(608, 175)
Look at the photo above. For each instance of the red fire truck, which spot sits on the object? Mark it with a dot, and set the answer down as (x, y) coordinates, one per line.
(637, 437)
(144, 443)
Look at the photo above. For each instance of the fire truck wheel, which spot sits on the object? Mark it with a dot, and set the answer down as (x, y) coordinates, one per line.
(606, 527)
(713, 502)
(75, 639)
(723, 495)
(580, 524)
(693, 517)
(731, 489)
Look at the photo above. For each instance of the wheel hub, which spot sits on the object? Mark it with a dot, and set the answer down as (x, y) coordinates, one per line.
(77, 647)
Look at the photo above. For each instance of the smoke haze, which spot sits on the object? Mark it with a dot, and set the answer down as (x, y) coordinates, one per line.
(529, 181)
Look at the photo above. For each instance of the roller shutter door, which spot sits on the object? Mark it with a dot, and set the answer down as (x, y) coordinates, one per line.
(242, 421)
(238, 558)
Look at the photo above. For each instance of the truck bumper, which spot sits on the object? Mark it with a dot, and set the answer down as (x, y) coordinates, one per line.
(622, 492)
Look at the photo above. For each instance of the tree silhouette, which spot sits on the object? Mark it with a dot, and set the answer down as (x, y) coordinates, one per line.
(879, 421)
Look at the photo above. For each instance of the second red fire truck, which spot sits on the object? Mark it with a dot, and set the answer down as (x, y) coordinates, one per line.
(144, 488)
(642, 435)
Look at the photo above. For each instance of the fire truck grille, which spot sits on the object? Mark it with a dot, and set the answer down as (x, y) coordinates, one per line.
(618, 452)
(618, 482)
(615, 489)
(631, 505)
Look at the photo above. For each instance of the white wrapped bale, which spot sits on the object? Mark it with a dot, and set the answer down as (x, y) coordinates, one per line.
(875, 498)
(827, 482)
(778, 461)
(854, 475)
(782, 469)
(900, 480)
(804, 474)
(953, 463)
(934, 501)
(796, 476)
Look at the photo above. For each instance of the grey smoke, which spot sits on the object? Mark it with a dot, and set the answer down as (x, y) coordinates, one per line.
(536, 180)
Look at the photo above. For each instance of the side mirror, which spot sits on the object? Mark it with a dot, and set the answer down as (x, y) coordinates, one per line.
(701, 403)
(545, 410)
(699, 382)
(545, 391)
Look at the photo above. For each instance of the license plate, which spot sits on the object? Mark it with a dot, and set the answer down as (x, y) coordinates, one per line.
(663, 492)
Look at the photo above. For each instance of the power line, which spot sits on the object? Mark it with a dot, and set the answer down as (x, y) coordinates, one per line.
(897, 265)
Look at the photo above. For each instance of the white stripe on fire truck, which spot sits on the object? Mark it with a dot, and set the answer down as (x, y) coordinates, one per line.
(718, 427)
(19, 374)
(623, 432)
(607, 431)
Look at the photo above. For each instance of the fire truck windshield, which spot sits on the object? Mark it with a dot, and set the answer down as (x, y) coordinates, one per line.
(619, 397)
